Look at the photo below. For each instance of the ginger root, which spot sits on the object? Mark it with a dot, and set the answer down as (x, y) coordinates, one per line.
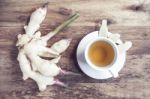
(32, 47)
(36, 19)
(42, 81)
(103, 32)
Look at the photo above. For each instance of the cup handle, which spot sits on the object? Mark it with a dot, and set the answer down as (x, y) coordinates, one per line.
(114, 73)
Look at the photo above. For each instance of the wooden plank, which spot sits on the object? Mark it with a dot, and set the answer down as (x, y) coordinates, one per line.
(126, 17)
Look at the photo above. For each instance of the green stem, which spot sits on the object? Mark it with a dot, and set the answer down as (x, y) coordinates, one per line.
(66, 23)
(60, 27)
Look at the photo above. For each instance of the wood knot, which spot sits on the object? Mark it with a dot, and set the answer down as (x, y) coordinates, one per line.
(22, 18)
(110, 21)
(136, 7)
(65, 11)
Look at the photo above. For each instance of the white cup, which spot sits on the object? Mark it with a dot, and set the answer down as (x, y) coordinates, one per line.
(109, 67)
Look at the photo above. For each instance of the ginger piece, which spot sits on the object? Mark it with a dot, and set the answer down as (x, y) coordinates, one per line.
(124, 47)
(61, 45)
(32, 47)
(103, 31)
(36, 19)
(22, 39)
(37, 47)
(42, 81)
(45, 67)
(114, 37)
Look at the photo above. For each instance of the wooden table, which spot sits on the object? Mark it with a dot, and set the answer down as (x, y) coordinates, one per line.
(126, 17)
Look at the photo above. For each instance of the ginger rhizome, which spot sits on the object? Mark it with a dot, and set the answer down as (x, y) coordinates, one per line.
(122, 47)
(33, 48)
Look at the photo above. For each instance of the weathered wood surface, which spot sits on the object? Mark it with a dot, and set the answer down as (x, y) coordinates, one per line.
(125, 17)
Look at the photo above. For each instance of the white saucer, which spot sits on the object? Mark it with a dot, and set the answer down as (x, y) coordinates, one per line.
(96, 74)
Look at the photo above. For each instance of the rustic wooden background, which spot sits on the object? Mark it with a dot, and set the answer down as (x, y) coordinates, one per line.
(130, 18)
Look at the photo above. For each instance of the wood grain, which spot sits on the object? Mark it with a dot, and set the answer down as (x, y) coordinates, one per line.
(128, 17)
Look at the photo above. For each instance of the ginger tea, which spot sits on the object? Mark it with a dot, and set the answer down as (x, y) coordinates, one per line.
(101, 53)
